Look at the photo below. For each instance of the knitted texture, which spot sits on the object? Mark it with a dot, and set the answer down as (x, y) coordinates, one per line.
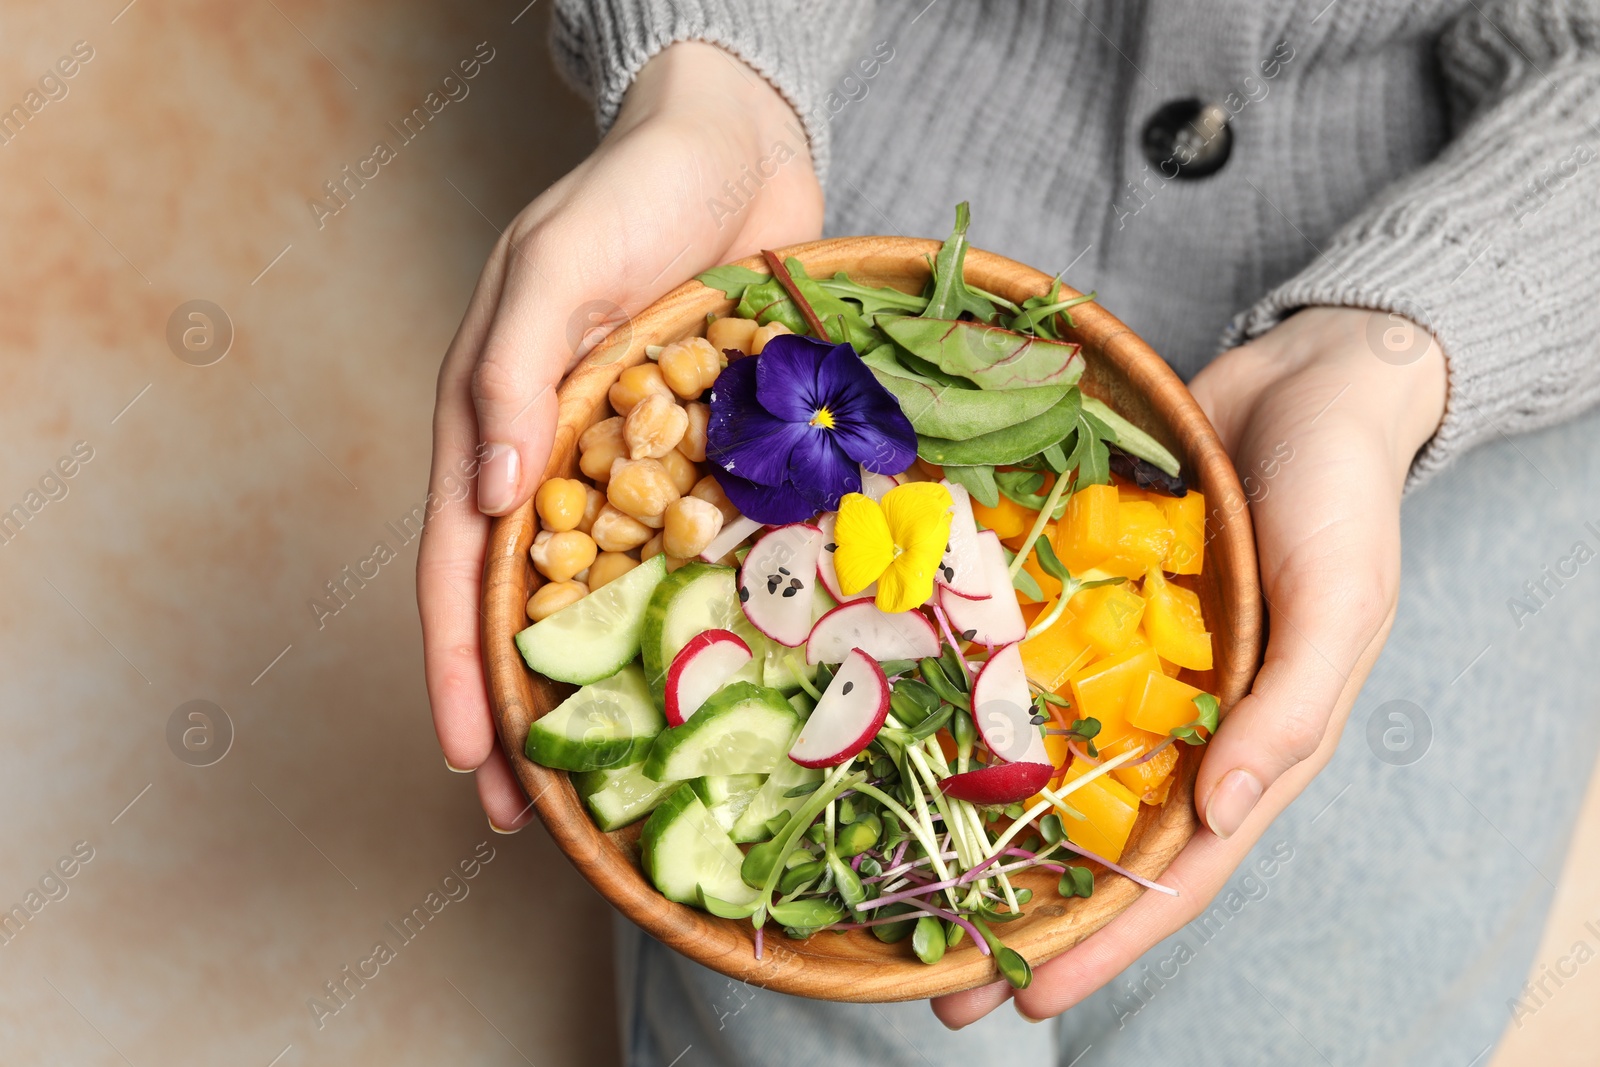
(1438, 160)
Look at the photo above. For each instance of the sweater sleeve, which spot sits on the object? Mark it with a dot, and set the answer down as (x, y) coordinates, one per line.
(799, 46)
(1494, 246)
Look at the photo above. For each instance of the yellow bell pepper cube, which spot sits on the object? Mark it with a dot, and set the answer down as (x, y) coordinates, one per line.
(1087, 532)
(1107, 616)
(1163, 704)
(1049, 585)
(1008, 519)
(1106, 690)
(1127, 494)
(1186, 516)
(1050, 658)
(1146, 779)
(1110, 809)
(1173, 619)
(1143, 540)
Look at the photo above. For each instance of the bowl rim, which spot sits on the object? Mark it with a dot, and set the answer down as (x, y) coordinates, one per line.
(608, 861)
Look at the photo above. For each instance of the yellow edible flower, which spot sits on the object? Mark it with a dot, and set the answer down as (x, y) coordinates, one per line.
(898, 544)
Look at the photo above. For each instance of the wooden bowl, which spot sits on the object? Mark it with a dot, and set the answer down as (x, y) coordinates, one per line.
(855, 966)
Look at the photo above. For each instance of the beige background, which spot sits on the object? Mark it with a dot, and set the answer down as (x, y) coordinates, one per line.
(180, 563)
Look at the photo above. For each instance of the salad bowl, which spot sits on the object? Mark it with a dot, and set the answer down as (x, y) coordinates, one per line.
(1122, 371)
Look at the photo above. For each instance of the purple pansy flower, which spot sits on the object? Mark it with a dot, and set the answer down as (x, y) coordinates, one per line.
(791, 429)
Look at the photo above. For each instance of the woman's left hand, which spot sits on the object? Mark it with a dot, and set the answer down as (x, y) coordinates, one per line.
(1322, 431)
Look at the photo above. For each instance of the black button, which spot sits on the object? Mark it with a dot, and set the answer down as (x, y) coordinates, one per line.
(1188, 139)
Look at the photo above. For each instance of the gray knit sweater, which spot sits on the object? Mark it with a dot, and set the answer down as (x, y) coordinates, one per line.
(1439, 159)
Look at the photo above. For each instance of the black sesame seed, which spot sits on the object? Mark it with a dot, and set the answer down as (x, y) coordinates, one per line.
(969, 635)
(773, 581)
(1038, 720)
(830, 547)
(784, 571)
(847, 687)
(744, 595)
(795, 583)
(789, 591)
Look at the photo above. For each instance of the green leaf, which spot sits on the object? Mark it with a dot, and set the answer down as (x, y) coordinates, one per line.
(959, 414)
(1084, 729)
(1051, 830)
(1187, 735)
(732, 279)
(950, 297)
(933, 723)
(873, 299)
(1058, 701)
(768, 301)
(842, 321)
(977, 479)
(1049, 562)
(1207, 704)
(1022, 581)
(889, 933)
(726, 910)
(1009, 445)
(992, 357)
(1128, 437)
(1076, 882)
(1038, 311)
(927, 941)
(808, 914)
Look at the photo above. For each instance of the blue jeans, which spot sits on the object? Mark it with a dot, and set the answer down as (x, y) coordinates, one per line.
(1390, 915)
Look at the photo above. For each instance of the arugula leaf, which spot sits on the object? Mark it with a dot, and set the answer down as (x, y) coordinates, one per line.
(732, 279)
(873, 299)
(841, 320)
(977, 479)
(950, 297)
(1125, 435)
(1038, 312)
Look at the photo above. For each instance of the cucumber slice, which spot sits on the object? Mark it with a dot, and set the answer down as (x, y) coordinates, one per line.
(618, 796)
(802, 704)
(769, 800)
(610, 723)
(591, 639)
(778, 667)
(726, 796)
(691, 600)
(742, 729)
(686, 854)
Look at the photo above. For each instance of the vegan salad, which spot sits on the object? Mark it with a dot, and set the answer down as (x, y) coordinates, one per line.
(870, 609)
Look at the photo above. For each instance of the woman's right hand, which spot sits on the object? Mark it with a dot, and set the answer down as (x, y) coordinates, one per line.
(653, 205)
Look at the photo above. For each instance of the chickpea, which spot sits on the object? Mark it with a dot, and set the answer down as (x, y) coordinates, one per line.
(710, 491)
(691, 524)
(616, 532)
(731, 332)
(609, 566)
(654, 427)
(689, 367)
(593, 501)
(681, 470)
(560, 503)
(763, 334)
(693, 444)
(601, 445)
(560, 556)
(652, 548)
(641, 488)
(554, 596)
(635, 384)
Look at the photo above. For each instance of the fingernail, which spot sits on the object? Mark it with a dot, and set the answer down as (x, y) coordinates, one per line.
(1028, 1018)
(508, 833)
(497, 478)
(1232, 801)
(453, 767)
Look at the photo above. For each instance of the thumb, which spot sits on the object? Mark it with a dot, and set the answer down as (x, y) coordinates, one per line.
(542, 327)
(1328, 612)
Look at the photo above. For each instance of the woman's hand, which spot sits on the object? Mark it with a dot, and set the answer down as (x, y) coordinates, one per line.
(1322, 432)
(706, 163)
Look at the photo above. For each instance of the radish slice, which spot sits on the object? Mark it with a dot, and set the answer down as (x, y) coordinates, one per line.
(699, 669)
(875, 485)
(962, 571)
(1002, 709)
(732, 535)
(826, 569)
(880, 634)
(996, 620)
(1002, 783)
(778, 581)
(847, 717)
